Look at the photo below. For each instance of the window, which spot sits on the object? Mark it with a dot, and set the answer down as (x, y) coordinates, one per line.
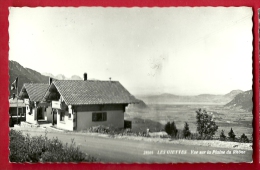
(97, 117)
(20, 111)
(62, 116)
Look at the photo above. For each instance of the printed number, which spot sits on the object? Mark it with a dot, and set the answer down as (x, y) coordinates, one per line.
(148, 152)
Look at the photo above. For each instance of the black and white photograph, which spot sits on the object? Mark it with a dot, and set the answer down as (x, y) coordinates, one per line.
(130, 85)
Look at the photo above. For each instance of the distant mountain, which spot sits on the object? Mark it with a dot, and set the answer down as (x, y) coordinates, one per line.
(62, 77)
(75, 77)
(233, 93)
(167, 98)
(26, 75)
(242, 100)
(48, 75)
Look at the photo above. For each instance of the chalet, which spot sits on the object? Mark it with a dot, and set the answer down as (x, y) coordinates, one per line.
(32, 93)
(80, 104)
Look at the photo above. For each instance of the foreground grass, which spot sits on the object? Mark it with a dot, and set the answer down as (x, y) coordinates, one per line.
(24, 148)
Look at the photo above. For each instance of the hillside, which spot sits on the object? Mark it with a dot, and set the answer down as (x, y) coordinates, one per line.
(167, 98)
(26, 75)
(233, 93)
(242, 101)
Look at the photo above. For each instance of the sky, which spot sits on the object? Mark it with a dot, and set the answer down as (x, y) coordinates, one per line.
(183, 50)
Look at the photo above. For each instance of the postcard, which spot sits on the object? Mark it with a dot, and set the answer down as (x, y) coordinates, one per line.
(130, 85)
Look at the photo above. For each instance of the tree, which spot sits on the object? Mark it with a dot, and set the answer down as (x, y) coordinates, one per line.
(171, 129)
(244, 139)
(206, 126)
(167, 128)
(231, 135)
(222, 136)
(186, 130)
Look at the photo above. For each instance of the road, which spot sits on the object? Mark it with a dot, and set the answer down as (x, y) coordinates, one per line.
(129, 151)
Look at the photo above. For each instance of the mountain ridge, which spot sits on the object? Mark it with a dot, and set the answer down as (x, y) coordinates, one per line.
(27, 75)
(63, 77)
(243, 101)
(168, 98)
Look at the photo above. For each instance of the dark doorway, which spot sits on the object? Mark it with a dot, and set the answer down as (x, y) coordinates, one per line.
(54, 117)
(39, 113)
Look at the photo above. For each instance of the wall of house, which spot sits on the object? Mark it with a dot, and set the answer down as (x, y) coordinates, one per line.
(115, 115)
(82, 116)
(67, 124)
(31, 118)
(115, 118)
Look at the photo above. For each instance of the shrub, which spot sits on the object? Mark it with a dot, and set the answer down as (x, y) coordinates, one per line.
(171, 129)
(24, 148)
(206, 126)
(186, 130)
(222, 136)
(179, 135)
(231, 135)
(244, 139)
(100, 129)
(112, 132)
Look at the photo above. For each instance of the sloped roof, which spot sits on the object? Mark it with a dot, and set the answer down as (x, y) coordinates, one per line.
(35, 91)
(79, 92)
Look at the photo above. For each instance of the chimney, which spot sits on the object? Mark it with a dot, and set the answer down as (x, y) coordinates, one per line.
(50, 80)
(85, 76)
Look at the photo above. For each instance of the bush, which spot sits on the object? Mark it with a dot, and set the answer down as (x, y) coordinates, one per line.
(171, 129)
(24, 148)
(244, 139)
(112, 132)
(222, 136)
(100, 129)
(186, 130)
(206, 126)
(231, 135)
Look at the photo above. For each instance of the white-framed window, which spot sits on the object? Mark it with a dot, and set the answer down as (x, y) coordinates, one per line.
(99, 116)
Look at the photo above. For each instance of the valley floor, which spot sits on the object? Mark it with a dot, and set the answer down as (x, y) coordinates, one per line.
(155, 116)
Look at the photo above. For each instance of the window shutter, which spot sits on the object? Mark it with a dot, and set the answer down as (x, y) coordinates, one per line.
(94, 117)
